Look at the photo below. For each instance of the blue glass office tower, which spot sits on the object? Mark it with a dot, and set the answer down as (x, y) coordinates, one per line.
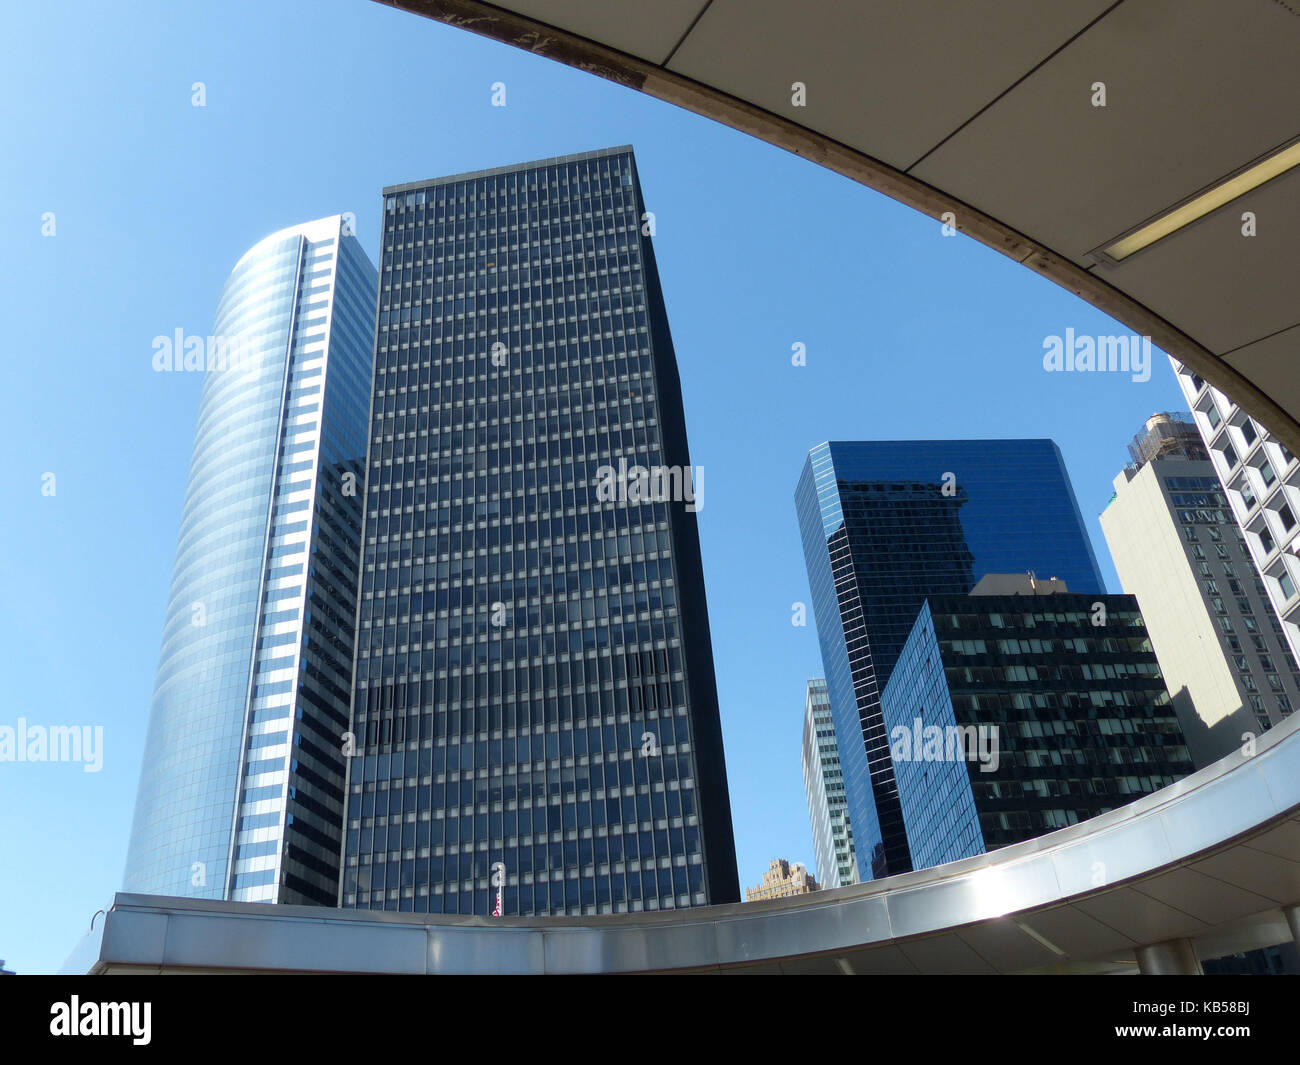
(534, 678)
(886, 524)
(241, 789)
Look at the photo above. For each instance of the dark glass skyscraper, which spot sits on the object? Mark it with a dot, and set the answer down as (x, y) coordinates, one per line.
(534, 686)
(1010, 716)
(885, 524)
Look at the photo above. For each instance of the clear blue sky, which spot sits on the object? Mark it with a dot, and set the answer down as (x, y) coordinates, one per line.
(311, 109)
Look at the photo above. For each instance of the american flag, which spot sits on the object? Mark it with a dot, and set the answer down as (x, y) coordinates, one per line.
(496, 910)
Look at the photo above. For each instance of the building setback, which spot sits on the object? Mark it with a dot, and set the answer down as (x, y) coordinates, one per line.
(534, 696)
(241, 787)
(886, 524)
(1010, 716)
(823, 783)
(1178, 548)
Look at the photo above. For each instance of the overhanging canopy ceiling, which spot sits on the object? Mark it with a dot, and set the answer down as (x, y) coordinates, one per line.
(986, 109)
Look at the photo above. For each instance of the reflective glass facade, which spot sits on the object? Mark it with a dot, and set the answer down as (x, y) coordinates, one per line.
(534, 676)
(1079, 715)
(241, 788)
(886, 524)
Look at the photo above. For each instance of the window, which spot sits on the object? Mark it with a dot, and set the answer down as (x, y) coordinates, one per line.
(1287, 585)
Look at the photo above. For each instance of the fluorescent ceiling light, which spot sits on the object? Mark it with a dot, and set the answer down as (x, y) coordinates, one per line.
(1206, 202)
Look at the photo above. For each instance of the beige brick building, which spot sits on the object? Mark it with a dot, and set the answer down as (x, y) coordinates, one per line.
(781, 880)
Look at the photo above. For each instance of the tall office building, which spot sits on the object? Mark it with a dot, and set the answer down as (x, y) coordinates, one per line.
(534, 679)
(886, 524)
(241, 789)
(1262, 479)
(823, 783)
(1179, 550)
(1022, 708)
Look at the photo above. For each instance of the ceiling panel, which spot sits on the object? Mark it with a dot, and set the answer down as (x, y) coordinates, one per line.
(1193, 91)
(1205, 898)
(1284, 840)
(1274, 365)
(945, 954)
(1276, 877)
(1225, 289)
(1078, 934)
(1142, 919)
(891, 77)
(1007, 947)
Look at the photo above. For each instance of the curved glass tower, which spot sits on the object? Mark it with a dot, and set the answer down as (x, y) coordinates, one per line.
(241, 788)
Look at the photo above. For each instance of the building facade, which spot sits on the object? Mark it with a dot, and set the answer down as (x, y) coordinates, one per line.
(823, 783)
(782, 880)
(1262, 480)
(886, 524)
(1179, 549)
(241, 788)
(1010, 716)
(534, 698)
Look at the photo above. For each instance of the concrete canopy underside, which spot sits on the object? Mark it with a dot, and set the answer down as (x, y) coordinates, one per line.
(984, 109)
(1214, 859)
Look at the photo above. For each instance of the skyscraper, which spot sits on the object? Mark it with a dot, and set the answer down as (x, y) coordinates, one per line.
(1014, 713)
(823, 783)
(1262, 480)
(886, 524)
(1178, 548)
(241, 788)
(534, 687)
